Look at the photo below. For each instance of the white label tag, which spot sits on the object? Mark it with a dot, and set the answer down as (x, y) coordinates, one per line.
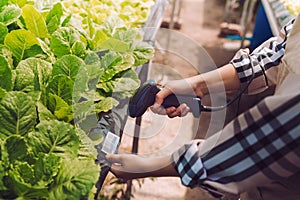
(110, 143)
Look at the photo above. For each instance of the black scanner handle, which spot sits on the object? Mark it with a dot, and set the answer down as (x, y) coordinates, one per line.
(175, 100)
(145, 97)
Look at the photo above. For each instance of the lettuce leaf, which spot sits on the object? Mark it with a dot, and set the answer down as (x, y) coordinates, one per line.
(16, 154)
(5, 74)
(33, 74)
(75, 183)
(87, 148)
(7, 54)
(46, 168)
(55, 137)
(20, 41)
(3, 32)
(82, 110)
(106, 104)
(54, 17)
(2, 174)
(122, 86)
(34, 21)
(47, 50)
(43, 112)
(92, 58)
(97, 39)
(65, 40)
(142, 52)
(68, 65)
(20, 188)
(31, 180)
(115, 45)
(20, 3)
(3, 3)
(112, 23)
(17, 114)
(61, 110)
(2, 93)
(94, 72)
(10, 14)
(114, 63)
(129, 35)
(25, 80)
(62, 86)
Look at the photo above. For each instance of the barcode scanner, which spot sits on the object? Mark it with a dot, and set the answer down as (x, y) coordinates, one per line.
(145, 97)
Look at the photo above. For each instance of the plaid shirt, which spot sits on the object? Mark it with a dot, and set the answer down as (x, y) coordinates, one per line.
(261, 145)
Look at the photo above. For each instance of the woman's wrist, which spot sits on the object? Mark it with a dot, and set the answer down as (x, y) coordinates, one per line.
(199, 85)
(222, 79)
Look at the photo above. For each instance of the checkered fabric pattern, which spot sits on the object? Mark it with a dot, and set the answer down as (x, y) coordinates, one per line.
(260, 145)
(267, 55)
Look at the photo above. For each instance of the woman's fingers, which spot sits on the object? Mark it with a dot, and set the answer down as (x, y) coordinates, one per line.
(180, 111)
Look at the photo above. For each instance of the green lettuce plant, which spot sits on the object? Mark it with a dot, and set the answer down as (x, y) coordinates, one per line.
(55, 74)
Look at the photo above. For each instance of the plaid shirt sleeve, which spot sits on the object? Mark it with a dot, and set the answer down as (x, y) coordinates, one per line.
(264, 57)
(260, 146)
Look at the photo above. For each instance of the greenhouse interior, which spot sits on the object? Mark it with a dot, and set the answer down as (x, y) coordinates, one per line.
(150, 99)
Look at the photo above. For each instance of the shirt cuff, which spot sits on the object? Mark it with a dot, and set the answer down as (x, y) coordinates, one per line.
(189, 166)
(242, 64)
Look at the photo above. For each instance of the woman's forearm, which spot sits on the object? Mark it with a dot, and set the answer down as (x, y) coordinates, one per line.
(128, 166)
(223, 78)
(161, 166)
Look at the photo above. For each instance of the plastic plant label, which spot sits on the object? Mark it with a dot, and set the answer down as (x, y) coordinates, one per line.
(110, 143)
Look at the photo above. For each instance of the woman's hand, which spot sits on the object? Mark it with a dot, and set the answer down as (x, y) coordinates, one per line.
(127, 166)
(219, 80)
(184, 86)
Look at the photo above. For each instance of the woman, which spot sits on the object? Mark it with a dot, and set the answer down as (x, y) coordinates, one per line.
(257, 154)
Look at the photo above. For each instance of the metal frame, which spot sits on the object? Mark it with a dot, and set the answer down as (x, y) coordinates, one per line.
(246, 18)
(277, 14)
